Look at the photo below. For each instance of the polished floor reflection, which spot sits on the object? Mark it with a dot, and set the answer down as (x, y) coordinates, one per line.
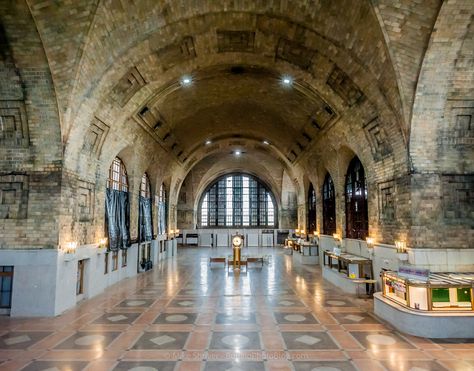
(187, 315)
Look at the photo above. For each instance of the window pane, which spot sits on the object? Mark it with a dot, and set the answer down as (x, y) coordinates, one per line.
(236, 201)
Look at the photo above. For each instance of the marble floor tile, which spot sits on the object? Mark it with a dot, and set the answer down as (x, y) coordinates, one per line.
(176, 318)
(117, 318)
(381, 340)
(21, 340)
(294, 318)
(162, 340)
(308, 340)
(88, 340)
(235, 340)
(354, 318)
(135, 303)
(235, 317)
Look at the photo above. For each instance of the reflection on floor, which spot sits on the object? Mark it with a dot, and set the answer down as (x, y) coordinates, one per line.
(186, 315)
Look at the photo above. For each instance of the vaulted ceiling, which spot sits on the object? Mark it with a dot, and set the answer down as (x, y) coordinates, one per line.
(122, 63)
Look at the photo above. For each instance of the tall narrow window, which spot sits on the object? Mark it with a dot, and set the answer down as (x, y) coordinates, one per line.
(311, 224)
(162, 210)
(329, 206)
(237, 201)
(357, 223)
(117, 207)
(145, 219)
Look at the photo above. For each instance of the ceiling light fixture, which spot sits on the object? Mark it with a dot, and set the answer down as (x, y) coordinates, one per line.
(186, 80)
(237, 152)
(208, 142)
(266, 142)
(287, 80)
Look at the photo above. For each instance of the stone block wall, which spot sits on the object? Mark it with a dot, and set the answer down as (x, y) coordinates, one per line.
(30, 136)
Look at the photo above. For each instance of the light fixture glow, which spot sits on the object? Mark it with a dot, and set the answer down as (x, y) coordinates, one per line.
(286, 80)
(266, 142)
(208, 142)
(70, 247)
(186, 80)
(237, 152)
(370, 242)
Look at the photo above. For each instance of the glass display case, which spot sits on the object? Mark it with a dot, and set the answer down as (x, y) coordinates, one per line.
(353, 266)
(439, 292)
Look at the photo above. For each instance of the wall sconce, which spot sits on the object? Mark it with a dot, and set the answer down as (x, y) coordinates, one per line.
(370, 242)
(401, 250)
(102, 243)
(70, 247)
(401, 246)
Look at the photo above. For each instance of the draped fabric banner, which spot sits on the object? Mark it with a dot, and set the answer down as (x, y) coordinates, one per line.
(161, 217)
(117, 215)
(145, 220)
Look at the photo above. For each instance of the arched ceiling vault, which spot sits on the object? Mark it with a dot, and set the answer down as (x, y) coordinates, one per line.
(120, 62)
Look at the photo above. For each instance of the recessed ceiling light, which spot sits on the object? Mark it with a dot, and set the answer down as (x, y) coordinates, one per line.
(287, 80)
(237, 152)
(266, 142)
(186, 80)
(208, 142)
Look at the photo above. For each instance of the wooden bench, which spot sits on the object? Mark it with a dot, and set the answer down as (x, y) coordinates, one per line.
(217, 260)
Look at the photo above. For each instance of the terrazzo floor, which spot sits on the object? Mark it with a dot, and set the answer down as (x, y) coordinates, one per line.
(188, 315)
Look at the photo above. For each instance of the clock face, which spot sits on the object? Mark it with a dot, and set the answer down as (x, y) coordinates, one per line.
(237, 241)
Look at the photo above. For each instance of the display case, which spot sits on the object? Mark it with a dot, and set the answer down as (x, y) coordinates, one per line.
(353, 266)
(439, 292)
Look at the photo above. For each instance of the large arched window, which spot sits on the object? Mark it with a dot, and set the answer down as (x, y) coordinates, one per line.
(357, 223)
(311, 223)
(117, 207)
(237, 200)
(118, 179)
(329, 206)
(162, 210)
(145, 224)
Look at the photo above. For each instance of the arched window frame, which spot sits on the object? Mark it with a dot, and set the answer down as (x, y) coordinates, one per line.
(162, 195)
(311, 219)
(145, 212)
(222, 213)
(117, 208)
(145, 186)
(162, 211)
(118, 178)
(329, 206)
(357, 221)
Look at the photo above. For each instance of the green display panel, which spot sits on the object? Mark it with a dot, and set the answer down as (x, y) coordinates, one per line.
(464, 294)
(440, 295)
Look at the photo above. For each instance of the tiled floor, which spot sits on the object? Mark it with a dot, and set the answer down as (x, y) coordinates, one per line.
(184, 315)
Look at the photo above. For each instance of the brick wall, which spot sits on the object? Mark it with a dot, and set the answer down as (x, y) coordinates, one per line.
(30, 136)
